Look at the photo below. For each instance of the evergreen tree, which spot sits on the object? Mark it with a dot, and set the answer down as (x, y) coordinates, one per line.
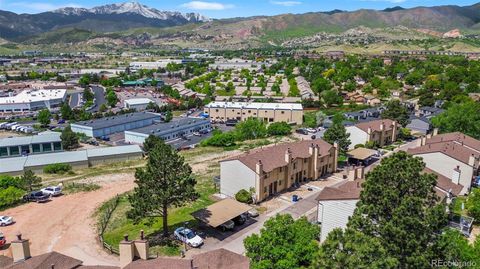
(338, 133)
(69, 138)
(165, 182)
(30, 181)
(394, 110)
(44, 117)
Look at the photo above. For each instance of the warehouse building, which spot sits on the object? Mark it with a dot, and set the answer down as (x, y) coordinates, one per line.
(115, 124)
(168, 130)
(139, 104)
(77, 159)
(268, 112)
(31, 100)
(27, 145)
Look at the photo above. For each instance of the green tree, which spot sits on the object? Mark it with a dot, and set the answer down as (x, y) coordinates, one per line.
(338, 133)
(399, 206)
(164, 183)
(331, 97)
(473, 204)
(168, 116)
(111, 97)
(66, 112)
(283, 243)
(30, 180)
(463, 117)
(151, 142)
(69, 139)
(44, 117)
(279, 128)
(454, 247)
(252, 128)
(395, 111)
(353, 250)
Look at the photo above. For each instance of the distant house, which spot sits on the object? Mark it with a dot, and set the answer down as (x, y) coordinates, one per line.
(419, 125)
(382, 132)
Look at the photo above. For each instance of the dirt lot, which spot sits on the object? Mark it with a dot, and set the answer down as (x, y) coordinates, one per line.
(66, 224)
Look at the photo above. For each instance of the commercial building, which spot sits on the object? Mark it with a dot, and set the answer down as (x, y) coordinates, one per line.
(134, 254)
(455, 156)
(153, 65)
(77, 159)
(115, 124)
(268, 112)
(138, 104)
(27, 145)
(273, 169)
(31, 100)
(381, 132)
(168, 130)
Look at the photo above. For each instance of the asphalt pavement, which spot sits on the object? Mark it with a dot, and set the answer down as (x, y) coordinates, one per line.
(99, 98)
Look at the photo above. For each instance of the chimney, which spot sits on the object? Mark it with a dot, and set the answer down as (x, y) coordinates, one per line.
(259, 167)
(127, 252)
(20, 249)
(435, 131)
(471, 160)
(310, 149)
(369, 130)
(423, 141)
(288, 155)
(456, 175)
(141, 247)
(382, 126)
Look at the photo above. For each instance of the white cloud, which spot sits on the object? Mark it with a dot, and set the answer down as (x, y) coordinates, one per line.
(200, 5)
(286, 3)
(41, 6)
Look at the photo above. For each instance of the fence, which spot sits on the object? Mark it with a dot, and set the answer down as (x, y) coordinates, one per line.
(110, 207)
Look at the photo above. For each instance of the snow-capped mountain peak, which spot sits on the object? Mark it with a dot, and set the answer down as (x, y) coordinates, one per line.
(133, 7)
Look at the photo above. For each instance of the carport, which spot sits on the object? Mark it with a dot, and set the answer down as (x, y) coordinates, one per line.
(221, 212)
(361, 156)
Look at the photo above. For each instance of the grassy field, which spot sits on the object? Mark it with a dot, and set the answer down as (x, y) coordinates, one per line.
(119, 225)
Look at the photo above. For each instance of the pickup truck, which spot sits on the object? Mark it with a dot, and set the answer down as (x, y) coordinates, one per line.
(36, 196)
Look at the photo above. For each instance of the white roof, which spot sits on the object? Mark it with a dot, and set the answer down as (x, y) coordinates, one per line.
(253, 105)
(108, 151)
(29, 96)
(9, 165)
(57, 157)
(34, 139)
(138, 101)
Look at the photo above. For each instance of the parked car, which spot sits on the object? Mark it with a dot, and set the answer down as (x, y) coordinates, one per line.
(188, 236)
(229, 225)
(240, 220)
(3, 241)
(311, 130)
(105, 138)
(6, 220)
(36, 196)
(197, 134)
(253, 213)
(205, 131)
(184, 137)
(231, 122)
(52, 190)
(61, 121)
(302, 131)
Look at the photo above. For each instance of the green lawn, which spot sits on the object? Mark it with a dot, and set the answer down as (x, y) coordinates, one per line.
(119, 225)
(457, 205)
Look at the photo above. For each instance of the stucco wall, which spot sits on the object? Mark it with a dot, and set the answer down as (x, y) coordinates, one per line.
(234, 176)
(334, 214)
(357, 136)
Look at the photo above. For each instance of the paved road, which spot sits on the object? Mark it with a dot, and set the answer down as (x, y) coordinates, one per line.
(99, 98)
(74, 99)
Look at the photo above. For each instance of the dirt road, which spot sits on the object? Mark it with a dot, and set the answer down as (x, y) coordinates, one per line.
(66, 224)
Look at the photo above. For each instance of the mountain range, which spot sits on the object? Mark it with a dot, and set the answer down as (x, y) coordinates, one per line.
(133, 23)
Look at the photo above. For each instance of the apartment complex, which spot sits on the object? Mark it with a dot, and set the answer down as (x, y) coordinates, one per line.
(268, 112)
(273, 169)
(381, 132)
(454, 156)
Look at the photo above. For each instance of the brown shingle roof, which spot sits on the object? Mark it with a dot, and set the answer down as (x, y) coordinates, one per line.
(220, 259)
(452, 149)
(375, 125)
(274, 156)
(458, 137)
(98, 267)
(45, 261)
(350, 190)
(444, 183)
(5, 261)
(161, 263)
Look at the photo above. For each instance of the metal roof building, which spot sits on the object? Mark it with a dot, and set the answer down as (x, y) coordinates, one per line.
(115, 124)
(23, 145)
(168, 130)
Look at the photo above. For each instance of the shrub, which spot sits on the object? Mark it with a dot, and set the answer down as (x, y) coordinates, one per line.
(473, 204)
(220, 140)
(359, 146)
(10, 196)
(243, 196)
(279, 128)
(57, 168)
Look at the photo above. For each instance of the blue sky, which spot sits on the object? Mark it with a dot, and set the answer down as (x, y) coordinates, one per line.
(232, 8)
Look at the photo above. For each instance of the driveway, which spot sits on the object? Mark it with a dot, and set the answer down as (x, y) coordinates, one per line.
(66, 224)
(99, 97)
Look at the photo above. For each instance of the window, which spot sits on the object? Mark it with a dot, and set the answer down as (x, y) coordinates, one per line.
(264, 189)
(304, 172)
(36, 148)
(281, 169)
(47, 147)
(280, 183)
(294, 165)
(25, 149)
(14, 151)
(304, 160)
(3, 152)
(283, 112)
(57, 146)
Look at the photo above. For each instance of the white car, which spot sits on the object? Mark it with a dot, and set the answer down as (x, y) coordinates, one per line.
(6, 220)
(188, 236)
(52, 190)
